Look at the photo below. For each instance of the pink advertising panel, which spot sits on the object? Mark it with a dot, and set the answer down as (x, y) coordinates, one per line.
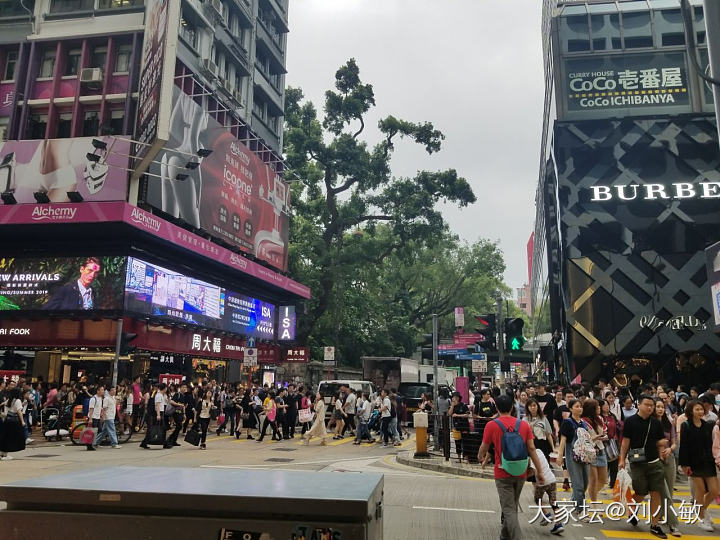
(233, 194)
(7, 98)
(140, 219)
(57, 166)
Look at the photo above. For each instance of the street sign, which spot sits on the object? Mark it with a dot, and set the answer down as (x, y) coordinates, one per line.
(329, 354)
(479, 366)
(251, 342)
(459, 317)
(329, 363)
(250, 357)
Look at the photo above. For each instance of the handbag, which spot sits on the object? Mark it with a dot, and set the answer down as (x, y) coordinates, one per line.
(221, 418)
(88, 435)
(170, 409)
(637, 455)
(192, 437)
(612, 450)
(156, 434)
(456, 434)
(271, 414)
(305, 415)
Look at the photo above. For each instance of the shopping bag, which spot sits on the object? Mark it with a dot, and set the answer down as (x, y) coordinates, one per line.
(622, 491)
(221, 419)
(305, 415)
(157, 435)
(192, 437)
(88, 435)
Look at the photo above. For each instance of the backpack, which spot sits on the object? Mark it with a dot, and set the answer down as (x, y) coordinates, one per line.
(513, 450)
(583, 449)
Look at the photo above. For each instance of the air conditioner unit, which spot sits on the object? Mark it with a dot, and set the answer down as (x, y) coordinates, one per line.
(209, 67)
(91, 75)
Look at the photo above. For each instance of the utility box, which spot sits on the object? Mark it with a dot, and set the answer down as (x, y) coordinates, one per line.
(193, 504)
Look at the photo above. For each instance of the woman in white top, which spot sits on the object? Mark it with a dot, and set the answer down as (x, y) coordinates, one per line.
(318, 427)
(540, 426)
(12, 435)
(205, 406)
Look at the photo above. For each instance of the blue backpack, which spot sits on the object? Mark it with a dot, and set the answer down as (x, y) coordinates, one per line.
(513, 450)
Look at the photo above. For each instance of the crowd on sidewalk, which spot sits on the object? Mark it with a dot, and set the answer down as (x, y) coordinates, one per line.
(598, 436)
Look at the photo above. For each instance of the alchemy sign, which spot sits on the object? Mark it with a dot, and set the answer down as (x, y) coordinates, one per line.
(681, 322)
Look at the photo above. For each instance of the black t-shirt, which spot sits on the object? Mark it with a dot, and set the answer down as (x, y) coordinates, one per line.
(279, 402)
(637, 428)
(461, 424)
(485, 409)
(561, 413)
(547, 404)
(568, 427)
(292, 403)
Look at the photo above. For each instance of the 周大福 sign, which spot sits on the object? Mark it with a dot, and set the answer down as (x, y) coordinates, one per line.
(634, 82)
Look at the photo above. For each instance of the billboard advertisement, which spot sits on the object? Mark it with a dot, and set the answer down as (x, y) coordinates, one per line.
(62, 283)
(629, 84)
(56, 166)
(232, 194)
(712, 255)
(288, 320)
(162, 18)
(156, 291)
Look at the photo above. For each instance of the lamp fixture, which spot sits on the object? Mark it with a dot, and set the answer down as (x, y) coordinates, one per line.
(99, 145)
(204, 152)
(181, 177)
(192, 165)
(7, 158)
(75, 196)
(92, 157)
(8, 197)
(41, 197)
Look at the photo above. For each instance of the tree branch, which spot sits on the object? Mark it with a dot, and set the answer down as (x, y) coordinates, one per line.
(362, 128)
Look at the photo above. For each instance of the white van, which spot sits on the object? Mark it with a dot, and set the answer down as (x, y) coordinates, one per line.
(328, 389)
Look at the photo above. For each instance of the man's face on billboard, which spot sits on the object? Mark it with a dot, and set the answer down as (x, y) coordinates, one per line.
(88, 273)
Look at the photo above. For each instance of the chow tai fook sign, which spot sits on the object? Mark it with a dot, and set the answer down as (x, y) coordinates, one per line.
(297, 355)
(626, 85)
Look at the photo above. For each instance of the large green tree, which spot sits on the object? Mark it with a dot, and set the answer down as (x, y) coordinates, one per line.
(346, 191)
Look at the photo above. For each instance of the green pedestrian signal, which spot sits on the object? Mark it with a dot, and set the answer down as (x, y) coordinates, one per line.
(516, 344)
(514, 339)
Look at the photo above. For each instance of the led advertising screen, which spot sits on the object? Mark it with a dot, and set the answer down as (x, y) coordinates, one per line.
(286, 329)
(61, 283)
(156, 291)
(232, 194)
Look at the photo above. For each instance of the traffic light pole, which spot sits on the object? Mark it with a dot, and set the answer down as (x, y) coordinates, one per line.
(501, 339)
(436, 424)
(116, 360)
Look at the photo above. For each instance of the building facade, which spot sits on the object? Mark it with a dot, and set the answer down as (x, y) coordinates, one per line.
(628, 193)
(187, 254)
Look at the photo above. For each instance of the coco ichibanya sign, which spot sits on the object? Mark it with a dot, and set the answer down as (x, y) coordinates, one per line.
(641, 81)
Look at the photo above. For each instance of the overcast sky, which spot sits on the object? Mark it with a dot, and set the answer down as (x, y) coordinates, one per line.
(472, 67)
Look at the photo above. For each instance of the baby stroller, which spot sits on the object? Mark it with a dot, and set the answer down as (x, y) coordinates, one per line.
(374, 422)
(55, 425)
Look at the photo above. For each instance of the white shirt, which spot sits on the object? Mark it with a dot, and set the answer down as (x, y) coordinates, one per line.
(548, 475)
(96, 404)
(109, 407)
(350, 404)
(386, 403)
(86, 294)
(162, 400)
(129, 403)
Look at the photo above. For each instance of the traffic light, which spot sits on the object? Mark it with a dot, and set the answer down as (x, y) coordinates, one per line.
(427, 347)
(487, 326)
(125, 339)
(514, 339)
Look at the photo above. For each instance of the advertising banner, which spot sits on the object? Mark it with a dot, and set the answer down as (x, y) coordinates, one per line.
(156, 291)
(288, 318)
(56, 166)
(233, 194)
(644, 83)
(712, 255)
(14, 375)
(62, 283)
(162, 19)
(58, 333)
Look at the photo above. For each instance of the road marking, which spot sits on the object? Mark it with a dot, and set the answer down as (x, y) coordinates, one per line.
(341, 441)
(647, 536)
(454, 509)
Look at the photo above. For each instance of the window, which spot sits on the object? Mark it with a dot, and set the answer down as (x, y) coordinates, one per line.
(188, 32)
(66, 6)
(47, 63)
(91, 123)
(64, 128)
(98, 58)
(112, 4)
(638, 33)
(72, 65)
(38, 124)
(122, 59)
(117, 119)
(11, 60)
(259, 107)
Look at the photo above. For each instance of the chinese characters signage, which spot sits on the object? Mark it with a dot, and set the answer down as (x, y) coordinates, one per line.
(162, 19)
(298, 355)
(636, 83)
(202, 343)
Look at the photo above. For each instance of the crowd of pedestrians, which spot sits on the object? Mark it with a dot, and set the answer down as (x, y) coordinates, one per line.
(656, 435)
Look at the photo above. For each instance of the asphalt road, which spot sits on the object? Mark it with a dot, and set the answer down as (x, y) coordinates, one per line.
(418, 504)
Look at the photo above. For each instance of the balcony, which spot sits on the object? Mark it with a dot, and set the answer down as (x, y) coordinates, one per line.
(245, 10)
(273, 94)
(82, 8)
(272, 41)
